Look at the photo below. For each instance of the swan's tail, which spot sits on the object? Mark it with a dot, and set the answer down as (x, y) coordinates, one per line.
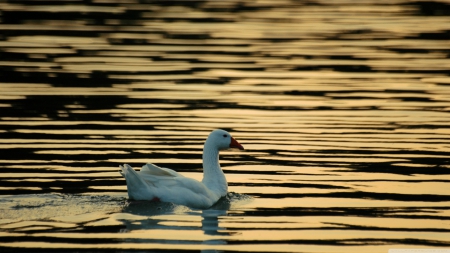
(126, 170)
(122, 170)
(138, 188)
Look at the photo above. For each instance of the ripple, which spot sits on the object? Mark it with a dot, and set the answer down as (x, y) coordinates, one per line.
(344, 117)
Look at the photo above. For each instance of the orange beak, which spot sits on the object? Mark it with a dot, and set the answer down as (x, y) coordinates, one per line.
(235, 144)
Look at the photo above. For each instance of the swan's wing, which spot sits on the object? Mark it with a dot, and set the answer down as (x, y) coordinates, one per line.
(166, 185)
(138, 188)
(151, 169)
(185, 191)
(168, 179)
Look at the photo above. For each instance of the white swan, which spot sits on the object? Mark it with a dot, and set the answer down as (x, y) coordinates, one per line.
(156, 183)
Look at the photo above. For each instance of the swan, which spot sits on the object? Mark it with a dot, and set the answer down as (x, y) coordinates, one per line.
(166, 185)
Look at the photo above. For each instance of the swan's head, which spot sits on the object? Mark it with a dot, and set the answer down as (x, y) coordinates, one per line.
(223, 140)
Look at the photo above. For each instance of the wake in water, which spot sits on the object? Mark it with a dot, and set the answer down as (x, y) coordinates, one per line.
(55, 205)
(150, 208)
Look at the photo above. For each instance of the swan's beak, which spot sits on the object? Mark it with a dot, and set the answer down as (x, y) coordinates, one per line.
(235, 144)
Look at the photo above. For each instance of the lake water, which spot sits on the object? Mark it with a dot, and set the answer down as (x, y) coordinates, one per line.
(343, 108)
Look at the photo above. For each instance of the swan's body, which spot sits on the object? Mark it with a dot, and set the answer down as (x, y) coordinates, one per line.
(166, 185)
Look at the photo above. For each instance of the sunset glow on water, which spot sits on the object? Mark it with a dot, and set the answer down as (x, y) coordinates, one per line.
(342, 107)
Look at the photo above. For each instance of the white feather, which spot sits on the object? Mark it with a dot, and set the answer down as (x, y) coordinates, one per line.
(167, 185)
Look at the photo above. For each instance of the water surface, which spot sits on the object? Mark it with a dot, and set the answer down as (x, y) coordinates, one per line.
(342, 106)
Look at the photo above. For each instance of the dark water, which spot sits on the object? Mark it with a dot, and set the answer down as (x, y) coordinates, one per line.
(342, 106)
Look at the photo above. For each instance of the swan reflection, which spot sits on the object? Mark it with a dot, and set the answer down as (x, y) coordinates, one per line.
(167, 223)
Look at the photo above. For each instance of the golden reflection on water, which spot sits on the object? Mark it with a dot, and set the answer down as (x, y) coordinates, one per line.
(343, 116)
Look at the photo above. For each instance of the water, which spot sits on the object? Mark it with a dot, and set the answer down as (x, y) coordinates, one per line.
(342, 106)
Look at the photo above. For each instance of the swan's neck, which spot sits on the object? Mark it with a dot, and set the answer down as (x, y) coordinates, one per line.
(213, 176)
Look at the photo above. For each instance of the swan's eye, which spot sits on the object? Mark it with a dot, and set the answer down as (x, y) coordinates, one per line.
(225, 136)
